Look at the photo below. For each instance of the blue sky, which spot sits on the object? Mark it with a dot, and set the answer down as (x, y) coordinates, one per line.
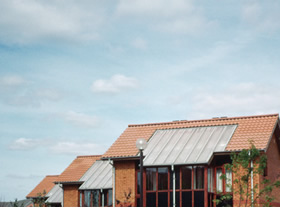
(74, 74)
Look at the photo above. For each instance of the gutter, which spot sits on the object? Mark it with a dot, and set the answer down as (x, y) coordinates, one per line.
(113, 182)
(174, 185)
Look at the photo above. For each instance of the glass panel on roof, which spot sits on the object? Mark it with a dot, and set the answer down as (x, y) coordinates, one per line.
(178, 147)
(199, 144)
(189, 146)
(211, 144)
(225, 138)
(169, 145)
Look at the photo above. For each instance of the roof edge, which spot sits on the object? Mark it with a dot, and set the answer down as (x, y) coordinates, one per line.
(277, 123)
(82, 156)
(69, 182)
(202, 120)
(121, 158)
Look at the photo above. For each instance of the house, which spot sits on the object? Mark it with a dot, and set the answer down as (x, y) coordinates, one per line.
(70, 182)
(41, 190)
(96, 191)
(18, 203)
(55, 196)
(184, 159)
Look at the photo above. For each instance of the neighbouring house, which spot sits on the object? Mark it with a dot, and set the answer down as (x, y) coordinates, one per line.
(70, 182)
(184, 159)
(96, 191)
(55, 196)
(18, 203)
(38, 194)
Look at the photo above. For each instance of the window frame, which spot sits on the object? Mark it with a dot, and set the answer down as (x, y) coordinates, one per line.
(169, 190)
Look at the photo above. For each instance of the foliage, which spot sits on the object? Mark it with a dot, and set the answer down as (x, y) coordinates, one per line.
(243, 170)
(16, 203)
(127, 202)
(40, 200)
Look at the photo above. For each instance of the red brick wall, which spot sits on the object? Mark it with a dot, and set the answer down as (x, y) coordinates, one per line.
(273, 174)
(273, 168)
(125, 182)
(71, 196)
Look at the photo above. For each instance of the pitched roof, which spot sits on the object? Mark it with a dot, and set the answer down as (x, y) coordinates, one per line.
(77, 168)
(99, 176)
(45, 185)
(55, 195)
(257, 128)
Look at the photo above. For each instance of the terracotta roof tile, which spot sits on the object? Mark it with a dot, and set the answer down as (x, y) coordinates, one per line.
(45, 185)
(77, 168)
(257, 128)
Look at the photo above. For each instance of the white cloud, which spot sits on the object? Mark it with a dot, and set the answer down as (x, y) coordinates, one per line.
(80, 119)
(261, 17)
(174, 16)
(10, 81)
(244, 98)
(24, 177)
(72, 148)
(26, 144)
(158, 8)
(115, 84)
(23, 22)
(139, 43)
(48, 94)
(17, 91)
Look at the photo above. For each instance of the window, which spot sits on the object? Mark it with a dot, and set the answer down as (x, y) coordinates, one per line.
(199, 177)
(219, 181)
(157, 187)
(189, 186)
(163, 178)
(228, 180)
(177, 176)
(138, 182)
(87, 196)
(210, 179)
(186, 172)
(109, 203)
(151, 199)
(151, 178)
(96, 196)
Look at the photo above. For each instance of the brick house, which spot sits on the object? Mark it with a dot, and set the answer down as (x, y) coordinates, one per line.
(96, 191)
(42, 189)
(55, 196)
(70, 182)
(184, 159)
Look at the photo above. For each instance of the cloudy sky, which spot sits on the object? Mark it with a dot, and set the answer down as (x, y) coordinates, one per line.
(74, 74)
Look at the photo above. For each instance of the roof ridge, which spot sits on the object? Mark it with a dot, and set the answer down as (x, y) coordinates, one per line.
(52, 175)
(202, 120)
(81, 156)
